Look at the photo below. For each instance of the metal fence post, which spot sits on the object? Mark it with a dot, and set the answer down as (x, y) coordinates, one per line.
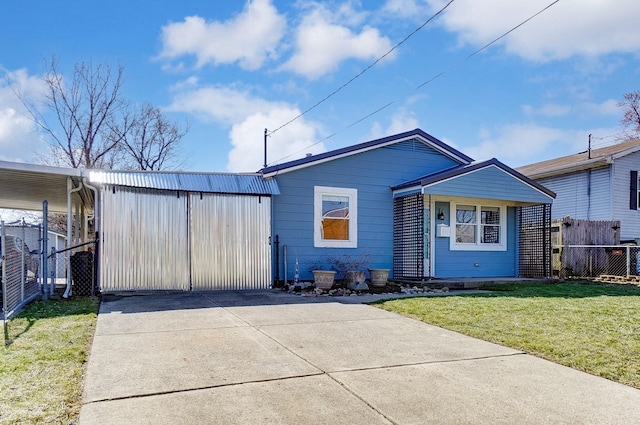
(45, 246)
(23, 274)
(3, 240)
(54, 269)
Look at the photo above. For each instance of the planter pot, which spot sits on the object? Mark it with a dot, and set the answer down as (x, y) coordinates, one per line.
(379, 277)
(323, 278)
(355, 276)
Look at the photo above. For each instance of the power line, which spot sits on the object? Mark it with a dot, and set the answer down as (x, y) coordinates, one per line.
(334, 133)
(417, 87)
(487, 45)
(364, 70)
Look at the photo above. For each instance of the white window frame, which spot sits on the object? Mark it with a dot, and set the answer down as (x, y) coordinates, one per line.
(478, 245)
(318, 193)
(638, 191)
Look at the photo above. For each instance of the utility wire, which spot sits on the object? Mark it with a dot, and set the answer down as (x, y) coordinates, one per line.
(364, 70)
(487, 45)
(337, 132)
(417, 87)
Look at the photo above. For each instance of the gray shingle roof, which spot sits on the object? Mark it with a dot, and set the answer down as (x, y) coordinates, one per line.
(579, 161)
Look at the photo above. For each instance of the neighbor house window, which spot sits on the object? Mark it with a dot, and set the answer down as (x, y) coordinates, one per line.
(479, 227)
(335, 217)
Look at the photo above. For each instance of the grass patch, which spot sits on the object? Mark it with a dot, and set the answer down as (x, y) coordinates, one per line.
(41, 370)
(593, 328)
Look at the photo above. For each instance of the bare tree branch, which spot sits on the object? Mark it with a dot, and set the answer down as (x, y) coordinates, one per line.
(152, 141)
(630, 121)
(89, 124)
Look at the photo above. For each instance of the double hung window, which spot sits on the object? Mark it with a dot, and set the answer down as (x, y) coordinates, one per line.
(335, 217)
(479, 227)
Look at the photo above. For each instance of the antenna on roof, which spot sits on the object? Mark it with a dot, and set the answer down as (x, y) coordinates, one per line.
(265, 148)
(588, 150)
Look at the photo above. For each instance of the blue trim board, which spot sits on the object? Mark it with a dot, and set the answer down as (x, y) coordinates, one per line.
(432, 180)
(426, 138)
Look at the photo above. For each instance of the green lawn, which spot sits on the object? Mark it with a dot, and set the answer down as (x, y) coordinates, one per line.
(594, 328)
(41, 366)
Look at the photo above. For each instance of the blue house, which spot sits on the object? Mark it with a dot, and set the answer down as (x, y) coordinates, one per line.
(414, 205)
(408, 203)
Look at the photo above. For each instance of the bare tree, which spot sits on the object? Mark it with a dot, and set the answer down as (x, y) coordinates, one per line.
(151, 141)
(89, 123)
(79, 112)
(630, 121)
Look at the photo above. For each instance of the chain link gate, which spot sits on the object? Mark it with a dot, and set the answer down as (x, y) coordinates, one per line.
(20, 270)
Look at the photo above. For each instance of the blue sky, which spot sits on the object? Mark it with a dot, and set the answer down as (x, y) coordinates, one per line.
(232, 69)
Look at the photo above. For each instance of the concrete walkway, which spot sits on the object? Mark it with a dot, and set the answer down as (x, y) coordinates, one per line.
(273, 358)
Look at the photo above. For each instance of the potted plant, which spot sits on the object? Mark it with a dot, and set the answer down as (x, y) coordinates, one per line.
(323, 279)
(351, 268)
(379, 277)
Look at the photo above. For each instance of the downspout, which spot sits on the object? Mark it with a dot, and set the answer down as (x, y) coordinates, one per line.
(589, 194)
(70, 190)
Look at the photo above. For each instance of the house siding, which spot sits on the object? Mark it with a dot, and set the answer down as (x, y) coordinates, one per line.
(600, 205)
(571, 195)
(629, 219)
(450, 263)
(490, 183)
(372, 173)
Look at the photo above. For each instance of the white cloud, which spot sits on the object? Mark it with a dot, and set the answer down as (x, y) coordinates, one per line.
(606, 108)
(406, 9)
(568, 28)
(247, 116)
(226, 105)
(322, 42)
(548, 110)
(19, 139)
(519, 144)
(290, 143)
(402, 120)
(248, 38)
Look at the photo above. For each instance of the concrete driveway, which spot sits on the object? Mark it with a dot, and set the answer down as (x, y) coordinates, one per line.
(268, 357)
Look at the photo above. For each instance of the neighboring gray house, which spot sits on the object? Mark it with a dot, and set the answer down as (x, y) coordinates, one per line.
(32, 235)
(598, 184)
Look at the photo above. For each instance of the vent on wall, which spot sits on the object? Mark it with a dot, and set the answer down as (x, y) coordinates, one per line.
(413, 145)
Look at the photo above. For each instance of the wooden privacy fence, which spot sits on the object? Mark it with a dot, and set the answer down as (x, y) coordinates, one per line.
(584, 248)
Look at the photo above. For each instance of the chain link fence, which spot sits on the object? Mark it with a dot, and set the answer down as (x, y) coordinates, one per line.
(596, 261)
(83, 271)
(20, 270)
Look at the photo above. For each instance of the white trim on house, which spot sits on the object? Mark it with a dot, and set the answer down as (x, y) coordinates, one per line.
(318, 237)
(478, 245)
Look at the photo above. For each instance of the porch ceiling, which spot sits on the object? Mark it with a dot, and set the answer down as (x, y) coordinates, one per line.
(25, 186)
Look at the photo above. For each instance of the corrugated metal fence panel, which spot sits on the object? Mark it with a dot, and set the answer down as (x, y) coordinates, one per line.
(144, 242)
(230, 242)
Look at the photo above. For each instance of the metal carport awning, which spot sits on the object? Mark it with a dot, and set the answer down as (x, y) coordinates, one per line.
(25, 186)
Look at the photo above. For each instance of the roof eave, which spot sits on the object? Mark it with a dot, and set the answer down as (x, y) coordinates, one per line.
(364, 147)
(570, 168)
(456, 172)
